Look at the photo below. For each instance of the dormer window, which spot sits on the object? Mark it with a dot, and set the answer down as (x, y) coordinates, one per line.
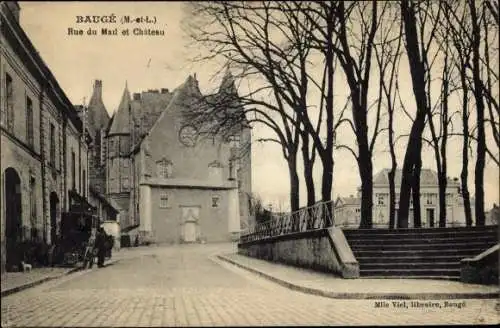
(164, 168)
(234, 141)
(215, 171)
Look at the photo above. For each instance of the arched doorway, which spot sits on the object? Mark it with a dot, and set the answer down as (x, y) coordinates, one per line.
(13, 217)
(54, 203)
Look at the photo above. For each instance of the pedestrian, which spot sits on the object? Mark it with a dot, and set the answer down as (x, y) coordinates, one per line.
(100, 244)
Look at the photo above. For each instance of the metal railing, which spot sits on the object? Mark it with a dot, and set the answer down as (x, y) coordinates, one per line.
(315, 217)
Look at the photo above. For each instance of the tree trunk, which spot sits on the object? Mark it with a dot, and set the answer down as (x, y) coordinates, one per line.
(394, 164)
(478, 95)
(392, 196)
(327, 180)
(417, 219)
(308, 169)
(464, 176)
(294, 182)
(366, 175)
(413, 151)
(442, 199)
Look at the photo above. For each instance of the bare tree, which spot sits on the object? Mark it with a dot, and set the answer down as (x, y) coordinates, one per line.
(265, 42)
(440, 138)
(415, 18)
(346, 31)
(478, 95)
(474, 27)
(388, 60)
(479, 76)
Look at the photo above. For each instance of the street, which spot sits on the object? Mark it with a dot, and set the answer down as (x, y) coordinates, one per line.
(186, 285)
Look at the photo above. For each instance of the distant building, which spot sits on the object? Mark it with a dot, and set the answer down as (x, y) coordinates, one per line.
(44, 146)
(169, 182)
(96, 120)
(347, 210)
(493, 215)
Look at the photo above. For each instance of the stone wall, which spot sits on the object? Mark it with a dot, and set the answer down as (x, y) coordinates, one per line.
(482, 269)
(322, 249)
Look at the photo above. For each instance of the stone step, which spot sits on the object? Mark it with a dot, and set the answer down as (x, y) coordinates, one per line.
(388, 240)
(422, 235)
(471, 252)
(410, 272)
(409, 265)
(452, 278)
(415, 247)
(410, 258)
(493, 228)
(423, 253)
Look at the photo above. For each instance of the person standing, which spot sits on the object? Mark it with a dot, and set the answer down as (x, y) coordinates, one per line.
(100, 244)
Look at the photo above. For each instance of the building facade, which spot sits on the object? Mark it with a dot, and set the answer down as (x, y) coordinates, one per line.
(43, 146)
(170, 183)
(347, 210)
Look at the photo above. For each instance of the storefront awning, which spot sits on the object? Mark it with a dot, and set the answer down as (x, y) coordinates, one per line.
(80, 205)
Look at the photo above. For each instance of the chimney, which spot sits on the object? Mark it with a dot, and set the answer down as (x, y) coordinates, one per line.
(137, 96)
(98, 89)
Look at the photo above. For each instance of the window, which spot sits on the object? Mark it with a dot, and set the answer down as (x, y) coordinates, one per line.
(125, 184)
(52, 144)
(32, 201)
(80, 175)
(164, 200)
(164, 168)
(215, 201)
(112, 185)
(29, 121)
(84, 185)
(234, 141)
(215, 171)
(380, 199)
(102, 140)
(430, 199)
(111, 148)
(232, 169)
(449, 198)
(8, 112)
(73, 170)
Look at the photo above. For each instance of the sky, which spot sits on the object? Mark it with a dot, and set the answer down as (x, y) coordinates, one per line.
(161, 61)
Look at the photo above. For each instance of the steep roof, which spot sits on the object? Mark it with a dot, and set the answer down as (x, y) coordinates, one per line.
(97, 115)
(227, 85)
(121, 120)
(348, 201)
(174, 102)
(146, 110)
(427, 177)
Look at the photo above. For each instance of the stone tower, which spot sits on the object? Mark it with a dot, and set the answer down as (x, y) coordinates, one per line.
(241, 149)
(97, 123)
(118, 158)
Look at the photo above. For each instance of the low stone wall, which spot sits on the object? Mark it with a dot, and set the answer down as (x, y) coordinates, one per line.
(482, 269)
(322, 249)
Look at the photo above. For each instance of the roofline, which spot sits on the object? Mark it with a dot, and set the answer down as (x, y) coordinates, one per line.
(47, 78)
(102, 198)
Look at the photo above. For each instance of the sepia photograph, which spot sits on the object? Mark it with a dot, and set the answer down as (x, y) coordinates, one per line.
(249, 163)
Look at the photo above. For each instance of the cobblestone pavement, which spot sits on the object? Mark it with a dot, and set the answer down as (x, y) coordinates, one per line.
(188, 286)
(12, 280)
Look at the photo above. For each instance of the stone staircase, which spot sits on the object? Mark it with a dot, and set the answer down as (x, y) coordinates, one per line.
(425, 253)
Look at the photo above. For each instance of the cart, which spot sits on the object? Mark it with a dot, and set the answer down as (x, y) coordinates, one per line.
(78, 238)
